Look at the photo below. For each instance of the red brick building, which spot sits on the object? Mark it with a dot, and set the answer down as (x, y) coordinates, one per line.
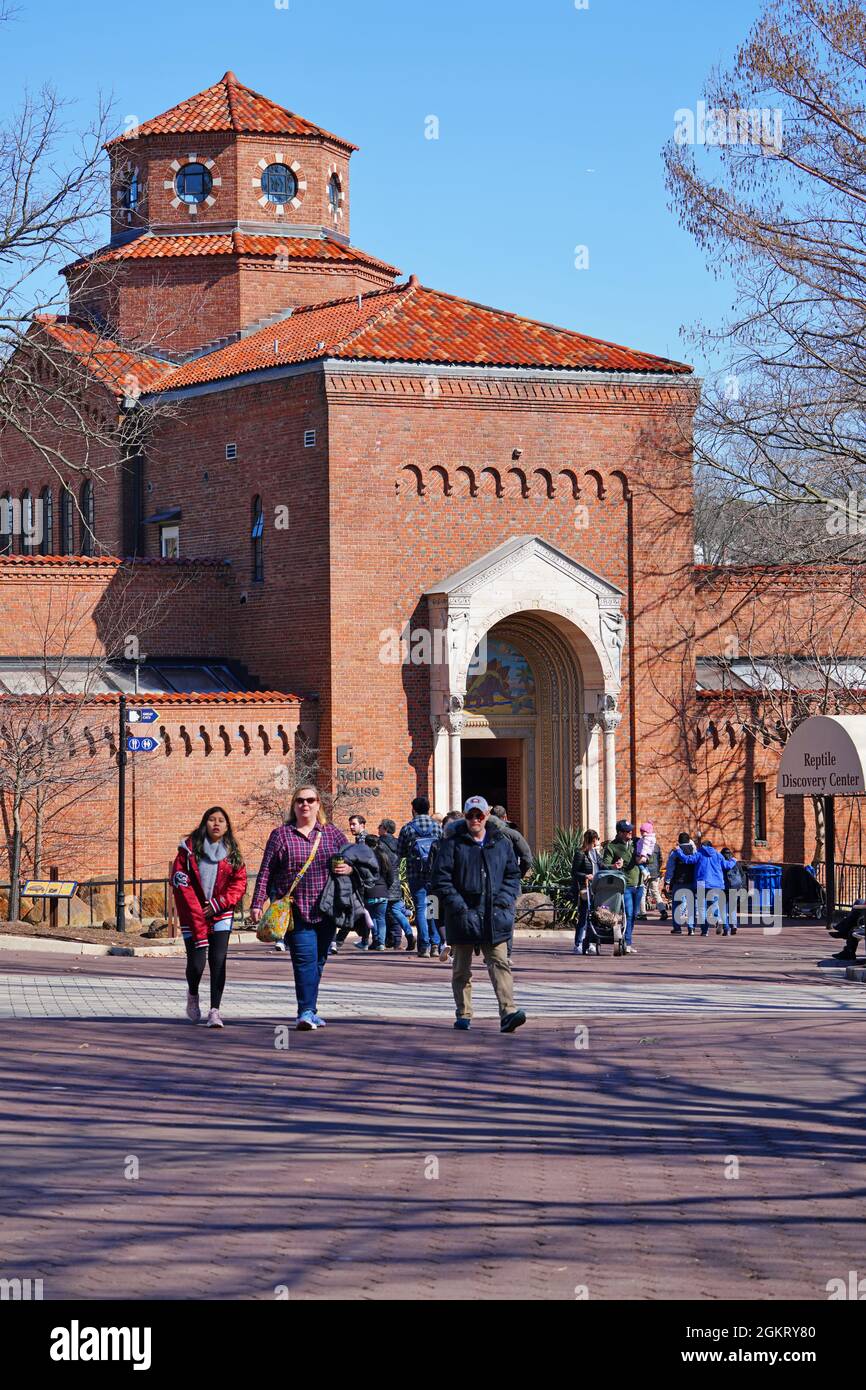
(461, 539)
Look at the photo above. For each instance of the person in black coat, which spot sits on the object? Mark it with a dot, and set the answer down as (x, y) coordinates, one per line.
(586, 864)
(476, 880)
(396, 921)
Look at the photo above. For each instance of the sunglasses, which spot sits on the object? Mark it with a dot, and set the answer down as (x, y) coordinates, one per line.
(306, 800)
(475, 815)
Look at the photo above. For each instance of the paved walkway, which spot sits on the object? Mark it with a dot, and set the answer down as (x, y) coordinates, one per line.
(700, 1136)
(86, 996)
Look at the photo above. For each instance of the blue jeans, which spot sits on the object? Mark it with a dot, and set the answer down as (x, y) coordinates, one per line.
(398, 922)
(308, 946)
(377, 908)
(715, 913)
(630, 899)
(582, 922)
(428, 932)
(683, 908)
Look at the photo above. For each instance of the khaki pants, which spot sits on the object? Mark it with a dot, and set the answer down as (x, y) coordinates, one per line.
(499, 970)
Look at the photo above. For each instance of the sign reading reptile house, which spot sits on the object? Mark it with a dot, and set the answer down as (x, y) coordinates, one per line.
(825, 756)
(362, 781)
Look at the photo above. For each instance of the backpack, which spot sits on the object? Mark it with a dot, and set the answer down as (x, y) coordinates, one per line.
(733, 877)
(419, 855)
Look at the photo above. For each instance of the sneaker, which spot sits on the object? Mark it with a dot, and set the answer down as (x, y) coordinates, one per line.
(193, 1010)
(859, 932)
(410, 943)
(577, 950)
(592, 949)
(663, 916)
(677, 931)
(361, 946)
(214, 1020)
(434, 951)
(445, 955)
(691, 931)
(333, 949)
(279, 945)
(463, 1024)
(512, 1021)
(306, 1023)
(422, 951)
(629, 950)
(319, 1021)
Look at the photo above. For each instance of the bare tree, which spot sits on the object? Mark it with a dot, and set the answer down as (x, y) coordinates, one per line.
(783, 211)
(58, 741)
(61, 378)
(776, 664)
(273, 800)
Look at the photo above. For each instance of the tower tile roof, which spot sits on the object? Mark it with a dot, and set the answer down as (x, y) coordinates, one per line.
(230, 106)
(152, 246)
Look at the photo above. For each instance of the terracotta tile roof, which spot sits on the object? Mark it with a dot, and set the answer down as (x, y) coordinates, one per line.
(152, 247)
(112, 561)
(220, 697)
(105, 360)
(229, 105)
(413, 324)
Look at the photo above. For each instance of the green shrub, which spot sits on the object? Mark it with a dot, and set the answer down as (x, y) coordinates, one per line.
(551, 873)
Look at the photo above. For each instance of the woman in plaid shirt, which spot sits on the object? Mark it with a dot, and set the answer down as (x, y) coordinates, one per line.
(286, 853)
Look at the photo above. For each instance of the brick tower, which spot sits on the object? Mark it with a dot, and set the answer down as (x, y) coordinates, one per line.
(226, 210)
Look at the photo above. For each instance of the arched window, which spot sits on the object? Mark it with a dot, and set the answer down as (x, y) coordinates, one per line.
(25, 541)
(257, 538)
(47, 500)
(88, 538)
(5, 524)
(67, 523)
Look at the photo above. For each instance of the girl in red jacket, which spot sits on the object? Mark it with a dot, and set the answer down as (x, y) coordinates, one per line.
(209, 880)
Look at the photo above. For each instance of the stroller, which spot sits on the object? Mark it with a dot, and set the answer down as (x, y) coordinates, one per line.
(802, 894)
(607, 913)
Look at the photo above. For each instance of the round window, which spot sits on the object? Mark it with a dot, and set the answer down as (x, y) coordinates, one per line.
(193, 183)
(279, 184)
(335, 193)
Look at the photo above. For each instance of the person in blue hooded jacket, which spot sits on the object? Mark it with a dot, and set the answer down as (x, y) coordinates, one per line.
(710, 880)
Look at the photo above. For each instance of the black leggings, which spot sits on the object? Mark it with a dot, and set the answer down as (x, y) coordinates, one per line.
(215, 954)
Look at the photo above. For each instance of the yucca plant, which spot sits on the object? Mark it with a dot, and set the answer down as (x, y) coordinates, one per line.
(551, 873)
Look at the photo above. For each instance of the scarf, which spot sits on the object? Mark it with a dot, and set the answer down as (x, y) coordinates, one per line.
(212, 852)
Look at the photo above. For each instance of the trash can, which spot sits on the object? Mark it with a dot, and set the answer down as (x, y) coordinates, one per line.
(765, 881)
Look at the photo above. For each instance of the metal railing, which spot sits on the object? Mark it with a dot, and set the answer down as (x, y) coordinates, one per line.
(89, 891)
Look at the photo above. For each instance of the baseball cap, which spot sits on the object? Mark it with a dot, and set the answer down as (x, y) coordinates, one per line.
(475, 803)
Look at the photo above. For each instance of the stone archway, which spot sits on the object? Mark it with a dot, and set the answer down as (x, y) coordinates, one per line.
(567, 622)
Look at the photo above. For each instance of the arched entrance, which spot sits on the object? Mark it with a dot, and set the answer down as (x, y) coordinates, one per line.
(523, 741)
(530, 717)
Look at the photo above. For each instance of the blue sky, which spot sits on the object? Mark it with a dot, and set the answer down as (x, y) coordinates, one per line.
(551, 125)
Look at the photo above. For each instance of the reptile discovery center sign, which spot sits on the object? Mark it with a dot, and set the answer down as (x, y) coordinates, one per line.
(825, 756)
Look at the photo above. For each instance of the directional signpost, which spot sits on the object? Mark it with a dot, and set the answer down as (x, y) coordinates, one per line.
(128, 743)
(142, 745)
